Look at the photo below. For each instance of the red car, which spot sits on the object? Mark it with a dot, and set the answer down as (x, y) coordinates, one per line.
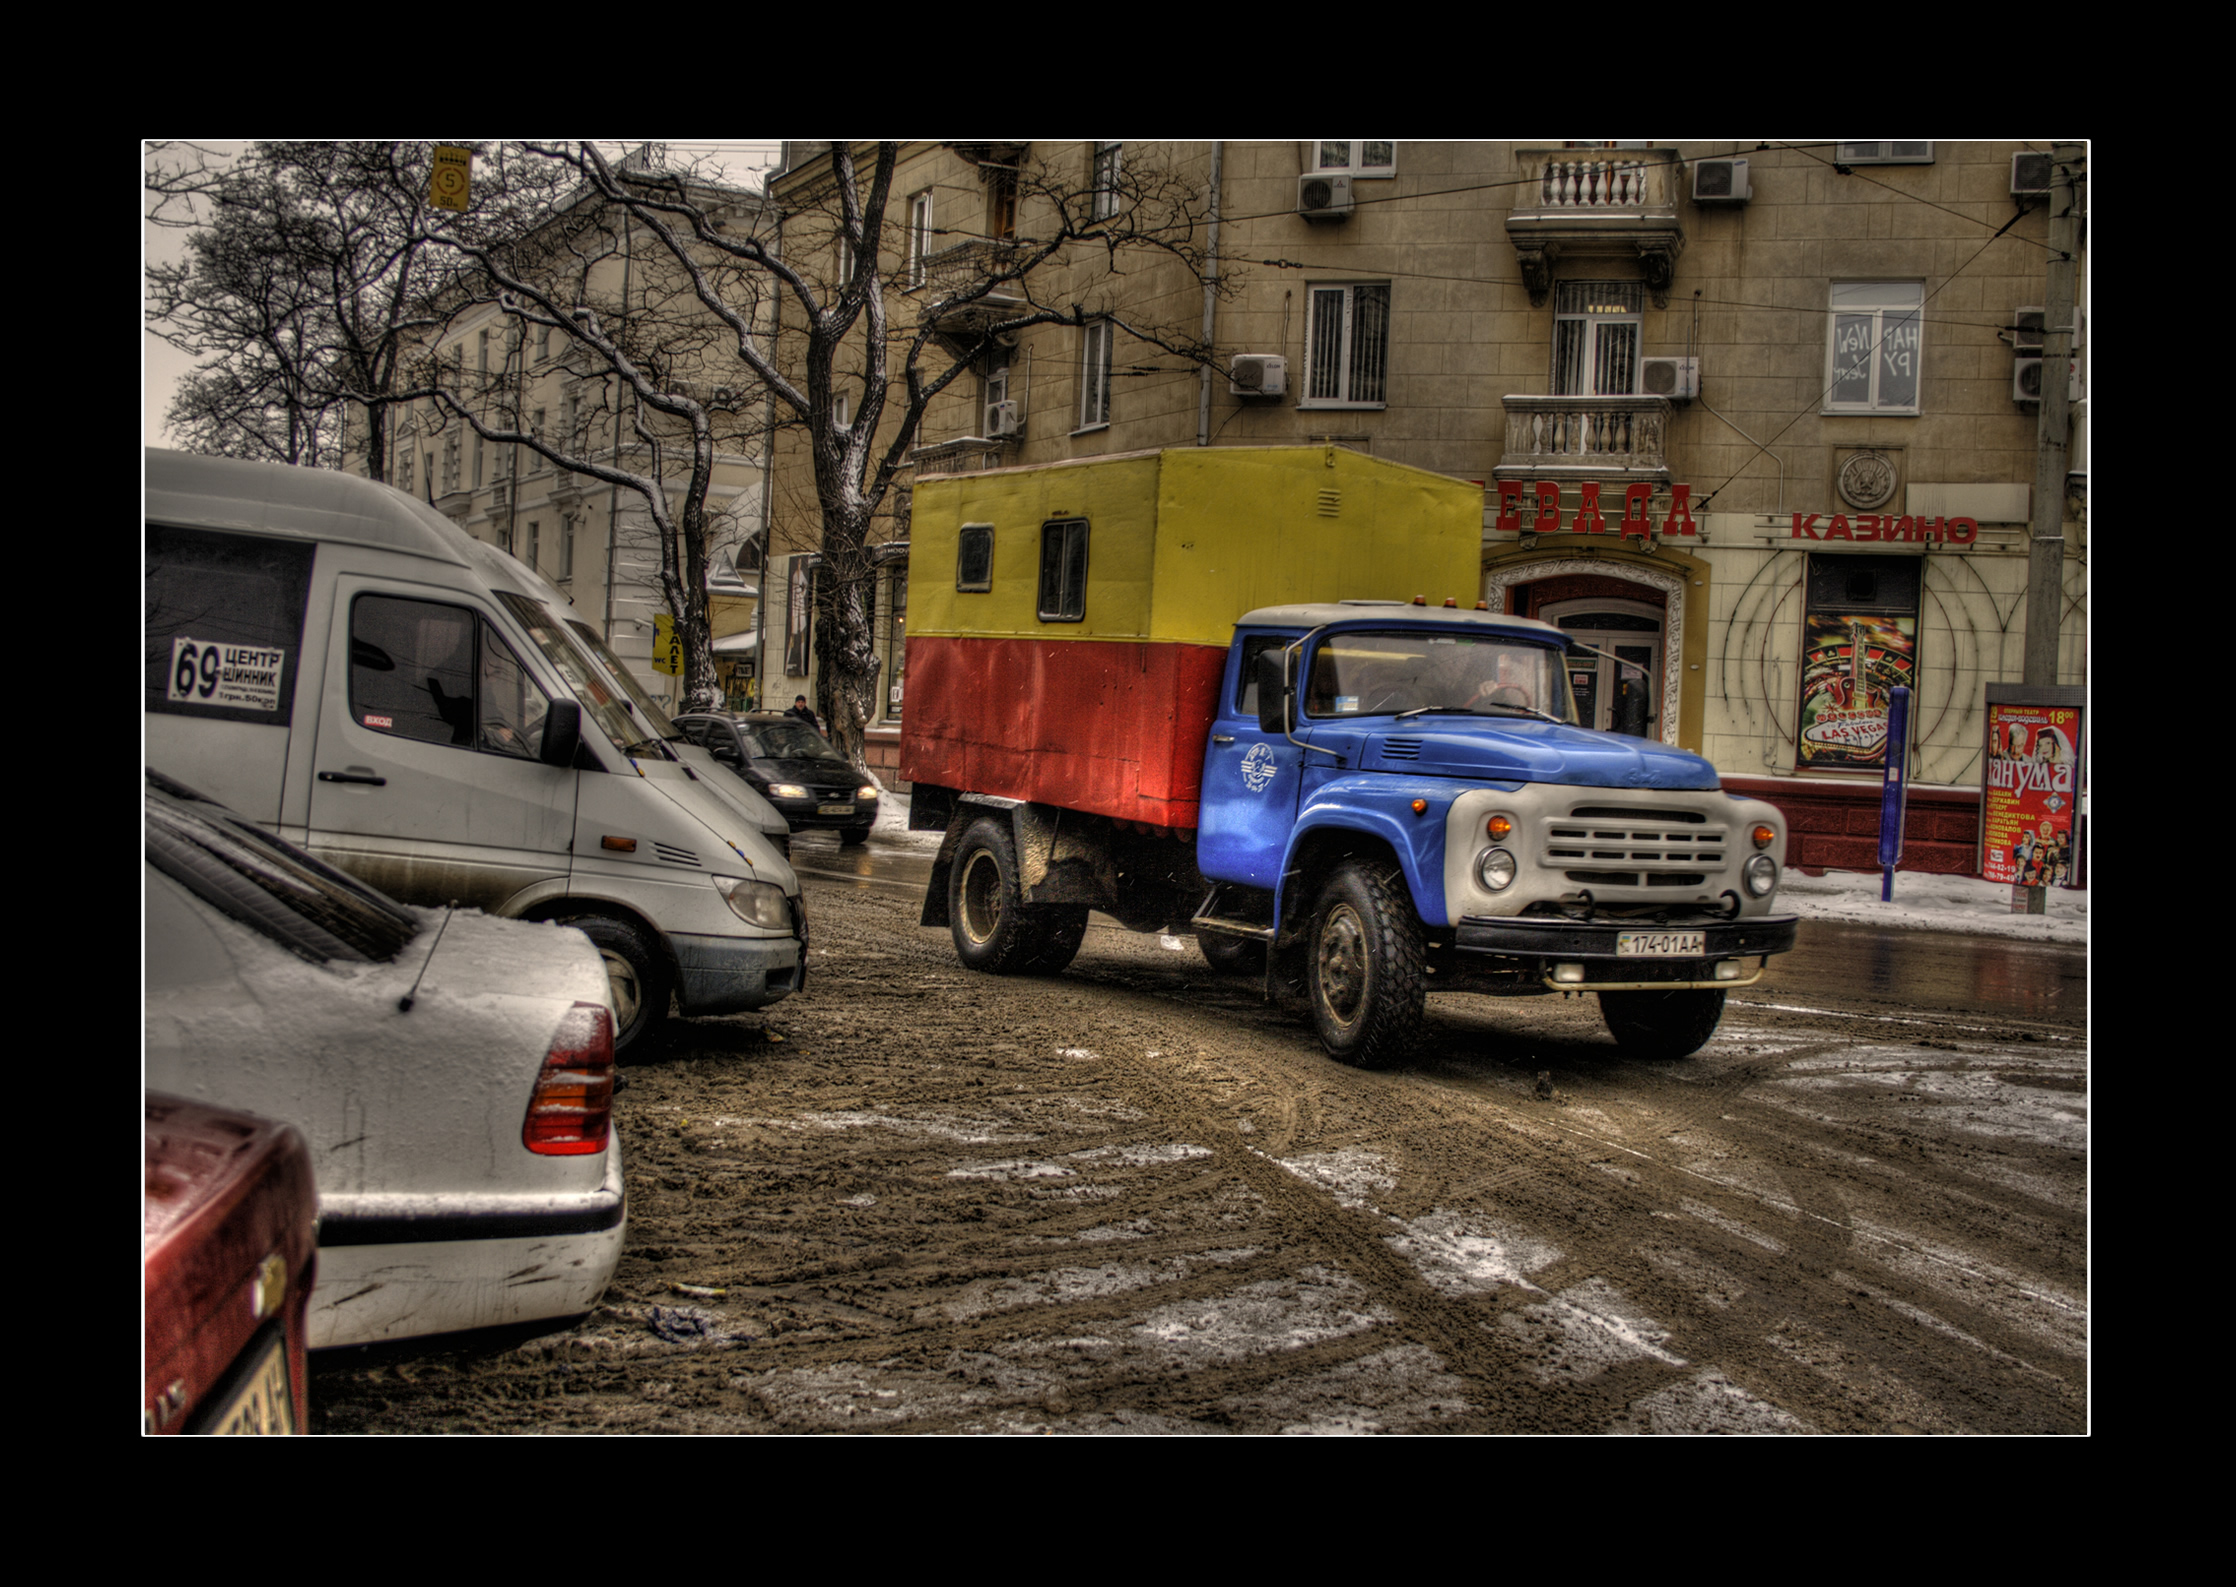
(229, 1249)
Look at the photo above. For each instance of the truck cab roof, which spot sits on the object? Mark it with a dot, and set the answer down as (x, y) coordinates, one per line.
(1320, 614)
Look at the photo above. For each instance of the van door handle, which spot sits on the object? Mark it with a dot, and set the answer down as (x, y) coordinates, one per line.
(353, 776)
(1222, 738)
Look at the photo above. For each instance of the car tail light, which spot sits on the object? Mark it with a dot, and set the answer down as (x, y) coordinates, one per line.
(570, 1113)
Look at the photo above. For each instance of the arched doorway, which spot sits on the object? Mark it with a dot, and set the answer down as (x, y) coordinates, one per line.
(1616, 680)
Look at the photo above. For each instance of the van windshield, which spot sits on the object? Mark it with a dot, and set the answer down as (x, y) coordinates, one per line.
(653, 716)
(599, 701)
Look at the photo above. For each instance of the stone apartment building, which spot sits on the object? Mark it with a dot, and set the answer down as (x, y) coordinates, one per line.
(596, 542)
(1751, 419)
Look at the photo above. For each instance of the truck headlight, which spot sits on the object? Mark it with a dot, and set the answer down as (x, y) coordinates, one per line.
(1761, 873)
(1495, 870)
(755, 903)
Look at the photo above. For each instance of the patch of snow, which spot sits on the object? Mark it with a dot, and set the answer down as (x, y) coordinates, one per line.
(1316, 1305)
(1582, 1331)
(1923, 902)
(1463, 1255)
(1707, 1402)
(1350, 1174)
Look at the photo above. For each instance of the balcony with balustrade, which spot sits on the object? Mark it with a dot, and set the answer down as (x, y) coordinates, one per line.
(1617, 439)
(1597, 202)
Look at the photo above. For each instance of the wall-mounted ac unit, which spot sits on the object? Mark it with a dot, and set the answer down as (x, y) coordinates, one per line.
(1004, 419)
(1258, 375)
(1721, 182)
(1324, 195)
(1675, 378)
(2026, 331)
(2030, 175)
(2026, 380)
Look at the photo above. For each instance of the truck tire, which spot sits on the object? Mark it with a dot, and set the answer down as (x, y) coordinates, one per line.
(1232, 955)
(995, 930)
(1366, 976)
(637, 971)
(1662, 1024)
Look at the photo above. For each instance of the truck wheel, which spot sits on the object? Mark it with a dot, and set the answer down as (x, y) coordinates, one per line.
(995, 930)
(1366, 978)
(1232, 955)
(637, 971)
(1662, 1024)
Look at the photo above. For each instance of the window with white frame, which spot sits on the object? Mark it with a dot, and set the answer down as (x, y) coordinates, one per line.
(535, 545)
(1094, 375)
(919, 235)
(566, 545)
(1347, 346)
(1884, 151)
(478, 451)
(1873, 347)
(1104, 183)
(1595, 337)
(1359, 156)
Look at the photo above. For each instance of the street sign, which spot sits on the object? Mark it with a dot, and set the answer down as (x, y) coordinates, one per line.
(450, 183)
(667, 646)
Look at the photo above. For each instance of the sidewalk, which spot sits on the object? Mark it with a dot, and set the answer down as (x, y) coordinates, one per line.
(1921, 902)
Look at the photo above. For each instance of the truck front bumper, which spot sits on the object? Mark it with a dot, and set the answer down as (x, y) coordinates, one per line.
(1573, 955)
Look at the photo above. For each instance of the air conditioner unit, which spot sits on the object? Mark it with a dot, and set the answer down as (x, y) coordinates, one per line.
(2026, 380)
(1257, 375)
(1004, 419)
(1721, 182)
(1675, 378)
(2030, 175)
(1324, 195)
(2026, 331)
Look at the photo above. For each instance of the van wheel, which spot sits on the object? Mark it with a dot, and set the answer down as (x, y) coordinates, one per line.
(638, 972)
(1662, 1024)
(1366, 976)
(1232, 955)
(850, 836)
(995, 930)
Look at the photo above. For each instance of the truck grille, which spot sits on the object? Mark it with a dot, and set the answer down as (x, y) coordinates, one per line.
(1635, 846)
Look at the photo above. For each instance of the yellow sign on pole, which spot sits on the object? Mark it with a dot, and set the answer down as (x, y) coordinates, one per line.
(667, 646)
(450, 183)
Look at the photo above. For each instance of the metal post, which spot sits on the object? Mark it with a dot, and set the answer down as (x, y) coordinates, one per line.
(2045, 579)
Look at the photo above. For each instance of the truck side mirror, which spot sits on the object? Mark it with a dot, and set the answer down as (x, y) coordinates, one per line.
(562, 733)
(1273, 691)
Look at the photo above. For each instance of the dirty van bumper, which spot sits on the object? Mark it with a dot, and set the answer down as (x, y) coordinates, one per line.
(729, 975)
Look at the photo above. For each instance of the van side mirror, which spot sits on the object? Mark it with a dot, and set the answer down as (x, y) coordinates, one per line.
(1273, 690)
(562, 733)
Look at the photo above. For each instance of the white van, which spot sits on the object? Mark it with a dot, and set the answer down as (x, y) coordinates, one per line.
(344, 665)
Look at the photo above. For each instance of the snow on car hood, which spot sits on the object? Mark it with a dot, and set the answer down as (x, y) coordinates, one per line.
(423, 1102)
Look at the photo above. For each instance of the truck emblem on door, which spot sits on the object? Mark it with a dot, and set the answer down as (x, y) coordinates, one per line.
(1258, 767)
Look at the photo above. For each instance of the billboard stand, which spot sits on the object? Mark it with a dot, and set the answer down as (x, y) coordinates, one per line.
(2031, 790)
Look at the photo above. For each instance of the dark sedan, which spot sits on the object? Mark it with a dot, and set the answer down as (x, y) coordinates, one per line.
(793, 767)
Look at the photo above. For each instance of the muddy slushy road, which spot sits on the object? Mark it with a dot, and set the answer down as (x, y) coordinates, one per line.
(1135, 1199)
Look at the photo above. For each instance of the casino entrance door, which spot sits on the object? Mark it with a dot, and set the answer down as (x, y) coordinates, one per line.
(1618, 689)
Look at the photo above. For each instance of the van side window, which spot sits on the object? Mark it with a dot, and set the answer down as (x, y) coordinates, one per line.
(974, 557)
(442, 675)
(1063, 570)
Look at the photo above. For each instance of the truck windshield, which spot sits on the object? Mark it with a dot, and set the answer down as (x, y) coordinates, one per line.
(599, 702)
(1372, 673)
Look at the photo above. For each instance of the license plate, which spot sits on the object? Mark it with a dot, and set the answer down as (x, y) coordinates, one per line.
(1660, 944)
(265, 1403)
(835, 810)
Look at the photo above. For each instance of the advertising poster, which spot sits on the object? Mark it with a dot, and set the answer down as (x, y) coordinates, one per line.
(2031, 793)
(1850, 664)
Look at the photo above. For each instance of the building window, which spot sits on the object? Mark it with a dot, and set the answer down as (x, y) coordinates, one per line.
(1359, 156)
(1063, 570)
(478, 452)
(1001, 201)
(535, 434)
(535, 544)
(1873, 348)
(1347, 347)
(543, 341)
(403, 468)
(1103, 202)
(481, 355)
(919, 236)
(567, 546)
(974, 557)
(896, 644)
(1094, 375)
(1885, 151)
(1595, 338)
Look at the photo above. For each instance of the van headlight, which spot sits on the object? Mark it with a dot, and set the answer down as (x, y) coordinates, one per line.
(755, 903)
(1495, 870)
(1761, 872)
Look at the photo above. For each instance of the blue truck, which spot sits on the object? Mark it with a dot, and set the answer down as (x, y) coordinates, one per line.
(1360, 801)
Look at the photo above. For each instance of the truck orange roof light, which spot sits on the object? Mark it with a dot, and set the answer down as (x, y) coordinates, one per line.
(1451, 601)
(1420, 600)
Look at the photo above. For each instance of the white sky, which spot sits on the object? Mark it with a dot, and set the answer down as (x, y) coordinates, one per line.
(740, 163)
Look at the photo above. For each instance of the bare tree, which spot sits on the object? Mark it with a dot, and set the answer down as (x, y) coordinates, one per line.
(306, 283)
(978, 303)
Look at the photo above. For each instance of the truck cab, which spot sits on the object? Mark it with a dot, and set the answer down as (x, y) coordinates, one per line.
(1401, 794)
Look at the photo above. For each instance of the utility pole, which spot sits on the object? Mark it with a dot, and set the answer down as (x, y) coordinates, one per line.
(2045, 576)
